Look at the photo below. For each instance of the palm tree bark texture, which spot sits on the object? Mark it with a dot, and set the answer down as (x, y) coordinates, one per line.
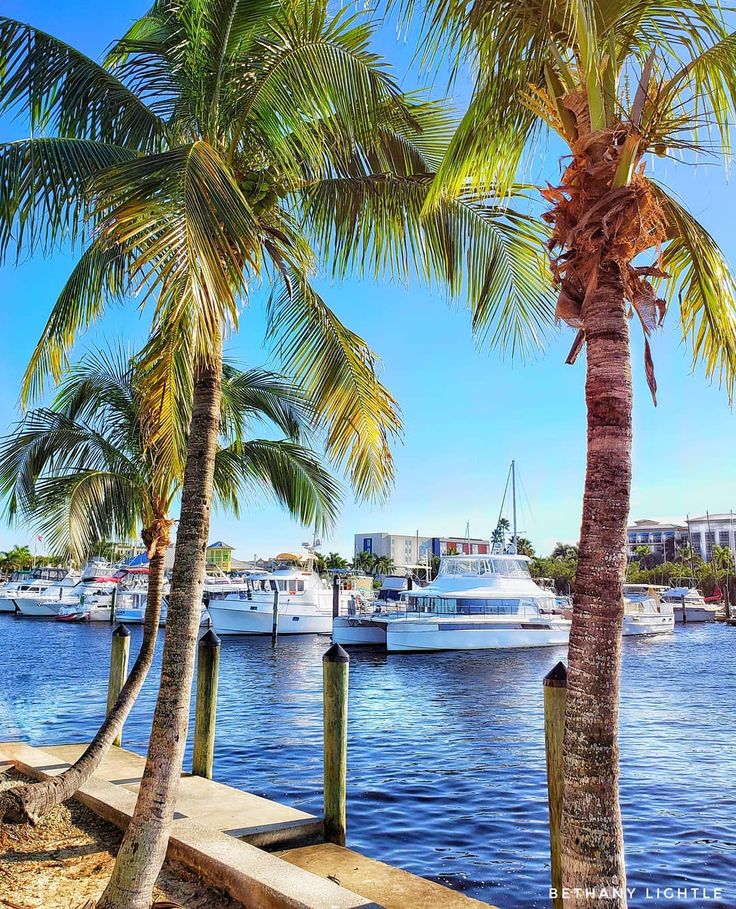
(143, 849)
(29, 803)
(600, 223)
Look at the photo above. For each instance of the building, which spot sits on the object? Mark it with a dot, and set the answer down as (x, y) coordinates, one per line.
(407, 550)
(404, 550)
(220, 555)
(663, 538)
(712, 530)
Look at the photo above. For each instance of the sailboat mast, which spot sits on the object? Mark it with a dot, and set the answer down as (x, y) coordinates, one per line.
(513, 498)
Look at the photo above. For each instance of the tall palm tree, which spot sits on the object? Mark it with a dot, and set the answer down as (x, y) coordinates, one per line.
(612, 83)
(335, 560)
(83, 469)
(221, 144)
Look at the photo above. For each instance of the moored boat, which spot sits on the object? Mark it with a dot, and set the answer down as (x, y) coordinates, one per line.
(645, 612)
(689, 605)
(474, 603)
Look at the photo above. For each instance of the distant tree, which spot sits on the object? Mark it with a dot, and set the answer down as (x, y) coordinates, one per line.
(335, 560)
(641, 553)
(524, 547)
(565, 551)
(723, 558)
(16, 559)
(364, 561)
(383, 565)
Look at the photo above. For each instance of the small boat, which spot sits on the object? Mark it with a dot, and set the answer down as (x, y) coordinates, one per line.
(43, 599)
(696, 609)
(645, 612)
(72, 614)
(486, 602)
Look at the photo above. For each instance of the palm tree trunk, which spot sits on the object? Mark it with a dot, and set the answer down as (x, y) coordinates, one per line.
(592, 835)
(144, 845)
(28, 804)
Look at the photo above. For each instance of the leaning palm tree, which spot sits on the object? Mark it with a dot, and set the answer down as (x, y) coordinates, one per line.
(223, 144)
(83, 469)
(613, 83)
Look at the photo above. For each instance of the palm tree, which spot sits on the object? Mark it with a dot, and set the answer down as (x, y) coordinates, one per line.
(642, 553)
(219, 145)
(335, 560)
(565, 551)
(17, 558)
(83, 470)
(525, 547)
(365, 561)
(498, 537)
(383, 565)
(612, 83)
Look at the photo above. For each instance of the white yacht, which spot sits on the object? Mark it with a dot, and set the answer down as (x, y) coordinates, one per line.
(304, 605)
(474, 603)
(645, 612)
(43, 599)
(9, 589)
(89, 601)
(695, 607)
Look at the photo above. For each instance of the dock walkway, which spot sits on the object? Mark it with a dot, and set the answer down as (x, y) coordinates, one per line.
(221, 833)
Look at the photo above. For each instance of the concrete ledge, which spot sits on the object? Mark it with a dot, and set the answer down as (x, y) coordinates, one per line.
(396, 889)
(257, 879)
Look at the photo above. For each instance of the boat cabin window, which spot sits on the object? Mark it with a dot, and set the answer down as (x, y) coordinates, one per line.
(512, 568)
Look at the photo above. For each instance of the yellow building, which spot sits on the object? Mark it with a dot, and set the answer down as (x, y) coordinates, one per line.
(219, 555)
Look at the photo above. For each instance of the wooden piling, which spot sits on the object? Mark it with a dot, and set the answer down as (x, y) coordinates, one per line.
(684, 611)
(119, 652)
(335, 596)
(335, 671)
(555, 697)
(275, 623)
(205, 710)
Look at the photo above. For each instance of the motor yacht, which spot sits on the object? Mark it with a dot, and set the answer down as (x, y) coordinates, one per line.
(695, 607)
(305, 600)
(43, 599)
(645, 612)
(474, 603)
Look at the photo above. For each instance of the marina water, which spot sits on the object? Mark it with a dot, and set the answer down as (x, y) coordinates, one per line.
(446, 761)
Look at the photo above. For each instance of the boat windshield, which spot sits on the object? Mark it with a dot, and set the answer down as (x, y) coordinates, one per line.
(510, 568)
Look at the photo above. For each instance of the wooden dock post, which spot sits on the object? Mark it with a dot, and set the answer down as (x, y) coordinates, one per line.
(275, 624)
(119, 652)
(335, 670)
(684, 611)
(205, 710)
(555, 697)
(335, 596)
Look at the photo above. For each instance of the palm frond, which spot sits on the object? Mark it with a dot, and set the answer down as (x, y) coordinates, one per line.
(99, 277)
(61, 89)
(291, 474)
(46, 190)
(260, 393)
(337, 372)
(706, 288)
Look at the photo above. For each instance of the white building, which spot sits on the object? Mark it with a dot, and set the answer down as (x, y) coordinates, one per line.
(712, 530)
(403, 549)
(406, 550)
(664, 538)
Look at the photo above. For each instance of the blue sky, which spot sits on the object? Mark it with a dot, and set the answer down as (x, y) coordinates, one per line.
(467, 411)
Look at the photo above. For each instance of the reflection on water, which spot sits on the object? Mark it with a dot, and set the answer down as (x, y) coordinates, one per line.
(446, 758)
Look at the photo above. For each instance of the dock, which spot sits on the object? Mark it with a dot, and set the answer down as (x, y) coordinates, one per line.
(262, 853)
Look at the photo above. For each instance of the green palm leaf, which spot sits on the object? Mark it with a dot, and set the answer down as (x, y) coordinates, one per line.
(337, 372)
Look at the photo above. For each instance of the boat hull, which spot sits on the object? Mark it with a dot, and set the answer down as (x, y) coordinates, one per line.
(7, 605)
(694, 614)
(354, 632)
(242, 617)
(647, 624)
(404, 636)
(40, 609)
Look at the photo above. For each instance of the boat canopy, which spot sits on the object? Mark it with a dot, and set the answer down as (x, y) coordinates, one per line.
(503, 565)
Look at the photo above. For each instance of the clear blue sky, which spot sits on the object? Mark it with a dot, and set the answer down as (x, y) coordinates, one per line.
(466, 412)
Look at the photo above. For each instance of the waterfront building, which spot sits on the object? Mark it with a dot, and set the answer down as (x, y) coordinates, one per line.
(703, 532)
(407, 550)
(662, 538)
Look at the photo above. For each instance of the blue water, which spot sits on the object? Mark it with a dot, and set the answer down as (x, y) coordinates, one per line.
(446, 758)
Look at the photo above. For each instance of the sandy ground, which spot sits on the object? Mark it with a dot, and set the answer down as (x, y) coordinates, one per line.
(65, 862)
